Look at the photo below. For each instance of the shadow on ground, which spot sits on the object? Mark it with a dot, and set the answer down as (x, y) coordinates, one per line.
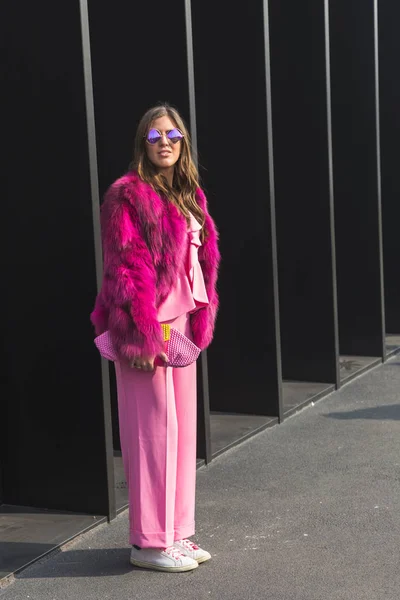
(387, 412)
(96, 562)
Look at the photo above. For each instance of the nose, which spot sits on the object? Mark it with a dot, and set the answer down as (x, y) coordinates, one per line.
(164, 140)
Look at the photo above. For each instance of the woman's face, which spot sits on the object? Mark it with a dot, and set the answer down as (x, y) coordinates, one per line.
(164, 154)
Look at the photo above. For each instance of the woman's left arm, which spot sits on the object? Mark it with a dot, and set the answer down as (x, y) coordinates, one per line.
(203, 321)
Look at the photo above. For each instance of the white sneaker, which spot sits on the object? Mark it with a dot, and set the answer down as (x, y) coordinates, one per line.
(191, 550)
(168, 559)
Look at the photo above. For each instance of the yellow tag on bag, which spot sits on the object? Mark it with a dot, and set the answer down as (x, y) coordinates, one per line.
(166, 328)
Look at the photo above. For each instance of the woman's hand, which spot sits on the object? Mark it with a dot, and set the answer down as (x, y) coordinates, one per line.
(146, 363)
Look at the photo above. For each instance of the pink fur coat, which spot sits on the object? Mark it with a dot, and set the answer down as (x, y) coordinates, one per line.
(143, 241)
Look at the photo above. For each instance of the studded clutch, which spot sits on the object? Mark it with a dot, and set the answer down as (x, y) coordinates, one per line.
(180, 351)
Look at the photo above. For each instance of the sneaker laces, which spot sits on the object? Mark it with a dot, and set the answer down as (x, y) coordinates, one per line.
(189, 545)
(175, 553)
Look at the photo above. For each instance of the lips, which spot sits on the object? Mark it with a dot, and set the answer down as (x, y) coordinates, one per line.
(164, 153)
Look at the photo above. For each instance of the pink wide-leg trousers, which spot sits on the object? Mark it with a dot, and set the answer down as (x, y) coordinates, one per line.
(157, 420)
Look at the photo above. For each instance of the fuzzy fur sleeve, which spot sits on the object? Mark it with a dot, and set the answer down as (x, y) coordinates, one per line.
(203, 320)
(129, 279)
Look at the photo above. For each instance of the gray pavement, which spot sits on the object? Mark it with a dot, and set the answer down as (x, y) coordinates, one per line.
(308, 510)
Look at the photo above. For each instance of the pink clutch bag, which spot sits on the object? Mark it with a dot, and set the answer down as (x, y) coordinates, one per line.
(180, 350)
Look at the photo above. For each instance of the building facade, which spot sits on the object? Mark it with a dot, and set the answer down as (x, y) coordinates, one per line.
(293, 112)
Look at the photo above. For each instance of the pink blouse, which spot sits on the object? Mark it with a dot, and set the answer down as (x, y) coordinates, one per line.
(189, 293)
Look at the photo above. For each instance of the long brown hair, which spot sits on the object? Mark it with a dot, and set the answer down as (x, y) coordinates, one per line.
(186, 178)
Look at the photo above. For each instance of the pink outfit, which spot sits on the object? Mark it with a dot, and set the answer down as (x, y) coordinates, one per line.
(157, 416)
(189, 293)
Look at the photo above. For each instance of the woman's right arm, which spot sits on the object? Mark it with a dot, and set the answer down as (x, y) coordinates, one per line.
(129, 280)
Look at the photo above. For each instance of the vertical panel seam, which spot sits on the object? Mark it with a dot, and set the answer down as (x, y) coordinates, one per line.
(268, 90)
(379, 182)
(94, 186)
(331, 187)
(193, 132)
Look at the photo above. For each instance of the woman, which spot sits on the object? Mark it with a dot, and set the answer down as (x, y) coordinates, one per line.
(160, 266)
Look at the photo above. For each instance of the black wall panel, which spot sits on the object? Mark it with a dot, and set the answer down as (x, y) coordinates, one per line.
(389, 52)
(52, 422)
(356, 177)
(53, 435)
(139, 59)
(299, 82)
(231, 112)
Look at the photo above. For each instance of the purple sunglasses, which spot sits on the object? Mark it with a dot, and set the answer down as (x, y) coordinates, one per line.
(154, 136)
